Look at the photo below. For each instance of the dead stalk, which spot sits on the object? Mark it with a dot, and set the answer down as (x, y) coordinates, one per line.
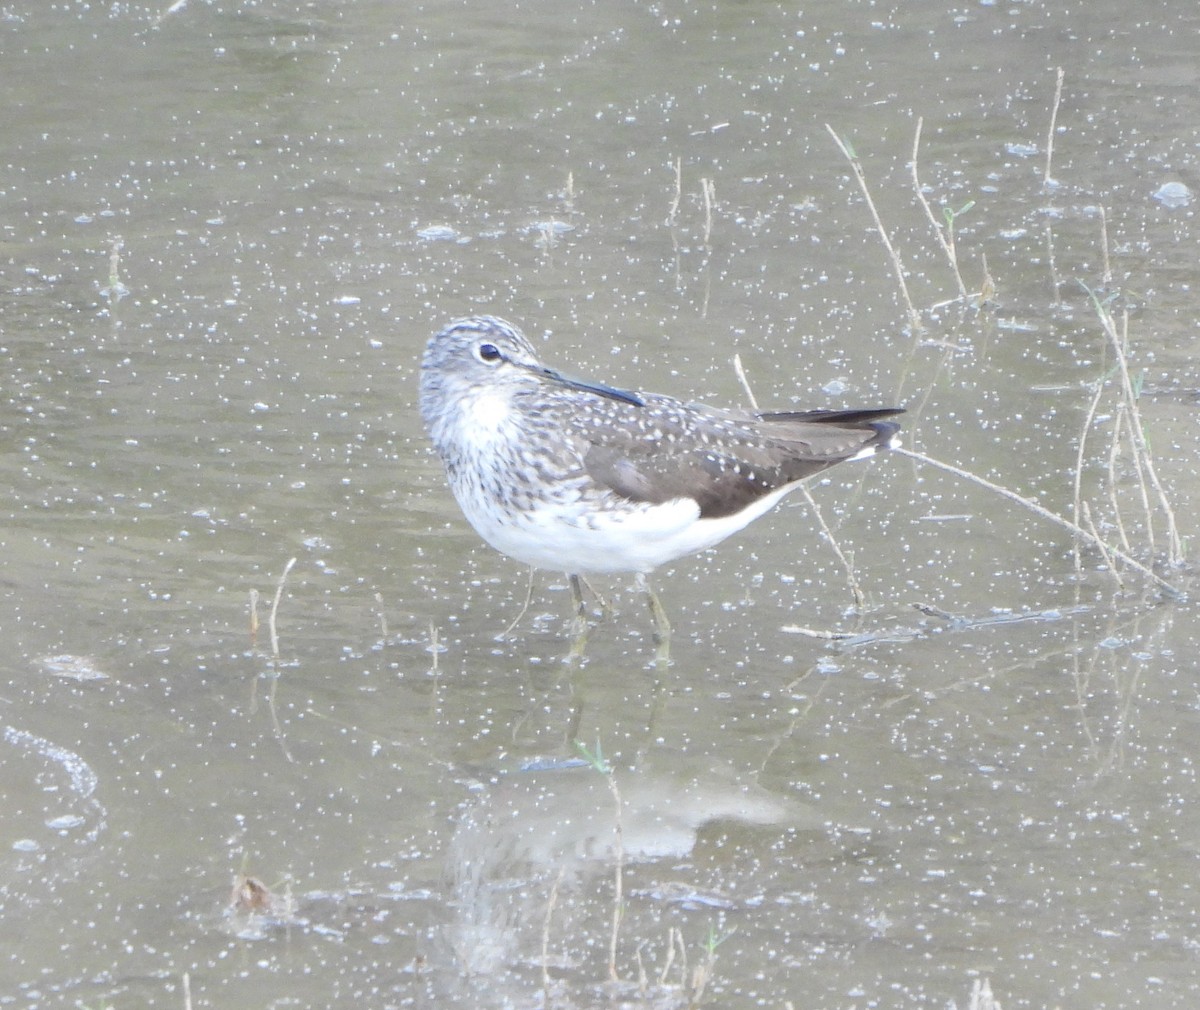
(618, 879)
(678, 191)
(914, 319)
(1145, 461)
(1106, 278)
(710, 196)
(275, 610)
(1077, 500)
(947, 248)
(1047, 179)
(1049, 516)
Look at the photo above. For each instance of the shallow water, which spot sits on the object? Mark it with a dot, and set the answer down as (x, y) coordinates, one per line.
(229, 230)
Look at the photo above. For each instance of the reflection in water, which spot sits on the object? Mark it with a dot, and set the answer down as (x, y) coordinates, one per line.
(533, 860)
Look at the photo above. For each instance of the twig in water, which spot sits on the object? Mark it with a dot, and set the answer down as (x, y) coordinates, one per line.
(855, 588)
(1077, 501)
(1106, 278)
(1047, 180)
(987, 289)
(1137, 432)
(383, 628)
(524, 607)
(710, 196)
(1114, 499)
(678, 191)
(1054, 280)
(434, 647)
(253, 617)
(275, 609)
(914, 319)
(597, 760)
(947, 247)
(1100, 544)
(1046, 514)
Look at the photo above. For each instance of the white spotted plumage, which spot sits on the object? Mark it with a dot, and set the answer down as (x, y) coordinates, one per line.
(580, 477)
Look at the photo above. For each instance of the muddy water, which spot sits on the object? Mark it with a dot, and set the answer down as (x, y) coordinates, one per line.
(228, 231)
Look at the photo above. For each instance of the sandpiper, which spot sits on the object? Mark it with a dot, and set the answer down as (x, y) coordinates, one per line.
(584, 478)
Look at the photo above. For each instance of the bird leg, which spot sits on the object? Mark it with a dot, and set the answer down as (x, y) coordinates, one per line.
(662, 626)
(524, 607)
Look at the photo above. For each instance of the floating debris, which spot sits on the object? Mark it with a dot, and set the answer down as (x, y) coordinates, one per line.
(438, 233)
(71, 667)
(1173, 195)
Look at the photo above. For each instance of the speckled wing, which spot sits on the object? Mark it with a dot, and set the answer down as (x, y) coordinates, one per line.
(723, 459)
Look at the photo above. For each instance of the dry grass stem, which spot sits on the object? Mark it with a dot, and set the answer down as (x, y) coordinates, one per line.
(271, 627)
(1080, 456)
(710, 198)
(1055, 281)
(678, 191)
(947, 247)
(1106, 277)
(826, 532)
(1094, 533)
(826, 636)
(618, 879)
(524, 607)
(847, 566)
(1143, 458)
(254, 594)
(434, 647)
(1045, 513)
(914, 319)
(1047, 179)
(987, 288)
(1114, 499)
(382, 615)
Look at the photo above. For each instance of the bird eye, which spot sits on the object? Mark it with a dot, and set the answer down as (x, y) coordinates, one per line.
(488, 352)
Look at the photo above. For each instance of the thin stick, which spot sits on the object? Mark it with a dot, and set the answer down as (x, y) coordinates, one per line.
(1046, 179)
(1046, 514)
(1104, 551)
(710, 195)
(826, 636)
(1077, 500)
(254, 594)
(1114, 498)
(1106, 278)
(1053, 268)
(987, 289)
(855, 589)
(670, 958)
(383, 628)
(618, 880)
(937, 228)
(847, 567)
(275, 609)
(524, 607)
(678, 191)
(1145, 461)
(914, 320)
(740, 372)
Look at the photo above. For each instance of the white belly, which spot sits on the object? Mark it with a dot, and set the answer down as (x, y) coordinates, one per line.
(626, 538)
